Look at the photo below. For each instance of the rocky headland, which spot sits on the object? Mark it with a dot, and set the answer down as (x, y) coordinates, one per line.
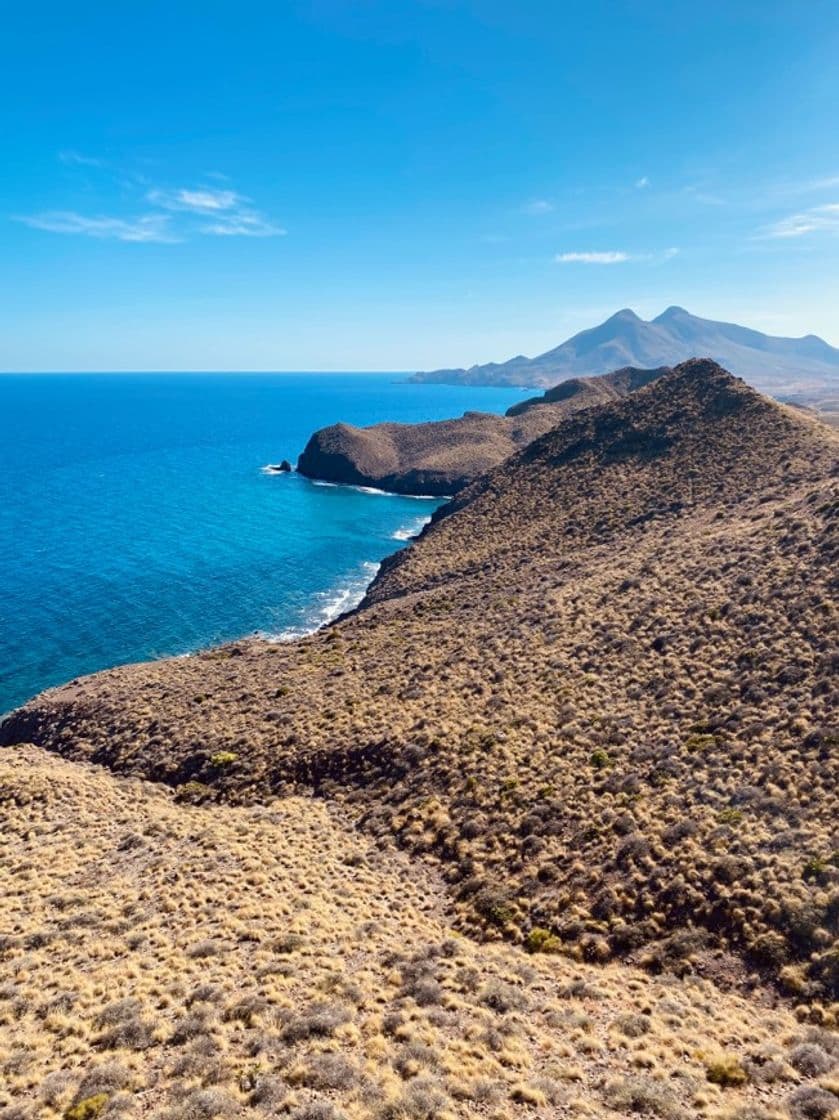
(441, 457)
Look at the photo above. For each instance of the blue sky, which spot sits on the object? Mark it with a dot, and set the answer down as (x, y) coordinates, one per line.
(401, 185)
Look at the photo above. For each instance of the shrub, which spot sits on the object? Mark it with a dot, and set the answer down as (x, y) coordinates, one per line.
(423, 1099)
(643, 1095)
(206, 1104)
(426, 991)
(246, 1010)
(632, 1026)
(55, 1087)
(502, 997)
(329, 1071)
(88, 1109)
(810, 1103)
(320, 1020)
(209, 947)
(222, 758)
(810, 1059)
(268, 1092)
(542, 941)
(108, 1078)
(316, 1110)
(726, 1070)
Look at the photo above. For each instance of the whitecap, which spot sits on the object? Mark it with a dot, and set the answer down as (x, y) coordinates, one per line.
(409, 531)
(329, 605)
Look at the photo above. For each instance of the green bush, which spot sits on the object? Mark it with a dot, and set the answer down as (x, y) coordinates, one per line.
(88, 1109)
(222, 758)
(542, 941)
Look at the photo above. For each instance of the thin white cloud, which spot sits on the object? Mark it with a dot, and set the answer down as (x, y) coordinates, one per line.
(243, 223)
(76, 159)
(538, 206)
(202, 200)
(642, 183)
(173, 214)
(613, 257)
(146, 228)
(231, 214)
(818, 219)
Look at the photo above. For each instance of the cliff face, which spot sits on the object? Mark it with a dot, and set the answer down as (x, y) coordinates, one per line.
(442, 457)
(436, 458)
(599, 691)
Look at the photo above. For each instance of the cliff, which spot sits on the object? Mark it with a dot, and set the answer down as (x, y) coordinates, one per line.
(442, 457)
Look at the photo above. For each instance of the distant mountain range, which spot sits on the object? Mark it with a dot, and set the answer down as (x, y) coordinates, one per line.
(793, 367)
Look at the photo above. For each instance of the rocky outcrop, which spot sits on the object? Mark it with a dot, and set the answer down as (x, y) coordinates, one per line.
(442, 457)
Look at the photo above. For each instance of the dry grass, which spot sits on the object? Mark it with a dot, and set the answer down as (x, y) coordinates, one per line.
(335, 986)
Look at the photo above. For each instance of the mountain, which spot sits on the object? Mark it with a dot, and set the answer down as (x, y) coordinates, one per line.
(597, 695)
(443, 456)
(780, 366)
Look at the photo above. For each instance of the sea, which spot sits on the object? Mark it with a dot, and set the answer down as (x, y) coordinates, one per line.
(137, 520)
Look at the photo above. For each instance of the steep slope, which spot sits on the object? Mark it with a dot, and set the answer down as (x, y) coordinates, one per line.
(443, 456)
(599, 690)
(162, 960)
(781, 366)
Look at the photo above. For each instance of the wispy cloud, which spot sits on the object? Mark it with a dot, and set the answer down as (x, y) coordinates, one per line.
(231, 212)
(169, 214)
(243, 223)
(146, 228)
(615, 256)
(76, 159)
(818, 219)
(202, 200)
(706, 198)
(642, 183)
(538, 206)
(612, 257)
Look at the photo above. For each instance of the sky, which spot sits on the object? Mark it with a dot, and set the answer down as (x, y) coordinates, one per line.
(406, 184)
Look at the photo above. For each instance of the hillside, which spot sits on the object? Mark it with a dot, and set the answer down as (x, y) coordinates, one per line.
(596, 699)
(162, 960)
(800, 367)
(443, 456)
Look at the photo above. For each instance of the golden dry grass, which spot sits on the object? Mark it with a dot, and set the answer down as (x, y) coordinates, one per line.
(170, 961)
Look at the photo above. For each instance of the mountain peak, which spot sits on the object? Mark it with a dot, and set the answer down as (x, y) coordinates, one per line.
(672, 312)
(625, 315)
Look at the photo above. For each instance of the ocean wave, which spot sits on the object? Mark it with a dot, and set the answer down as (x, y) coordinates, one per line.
(380, 493)
(331, 604)
(407, 532)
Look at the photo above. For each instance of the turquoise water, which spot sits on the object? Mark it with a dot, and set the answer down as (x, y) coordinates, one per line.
(135, 521)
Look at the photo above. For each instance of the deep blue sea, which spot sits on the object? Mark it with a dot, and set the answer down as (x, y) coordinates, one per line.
(135, 520)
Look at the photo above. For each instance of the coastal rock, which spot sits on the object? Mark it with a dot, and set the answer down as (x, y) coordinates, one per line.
(441, 457)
